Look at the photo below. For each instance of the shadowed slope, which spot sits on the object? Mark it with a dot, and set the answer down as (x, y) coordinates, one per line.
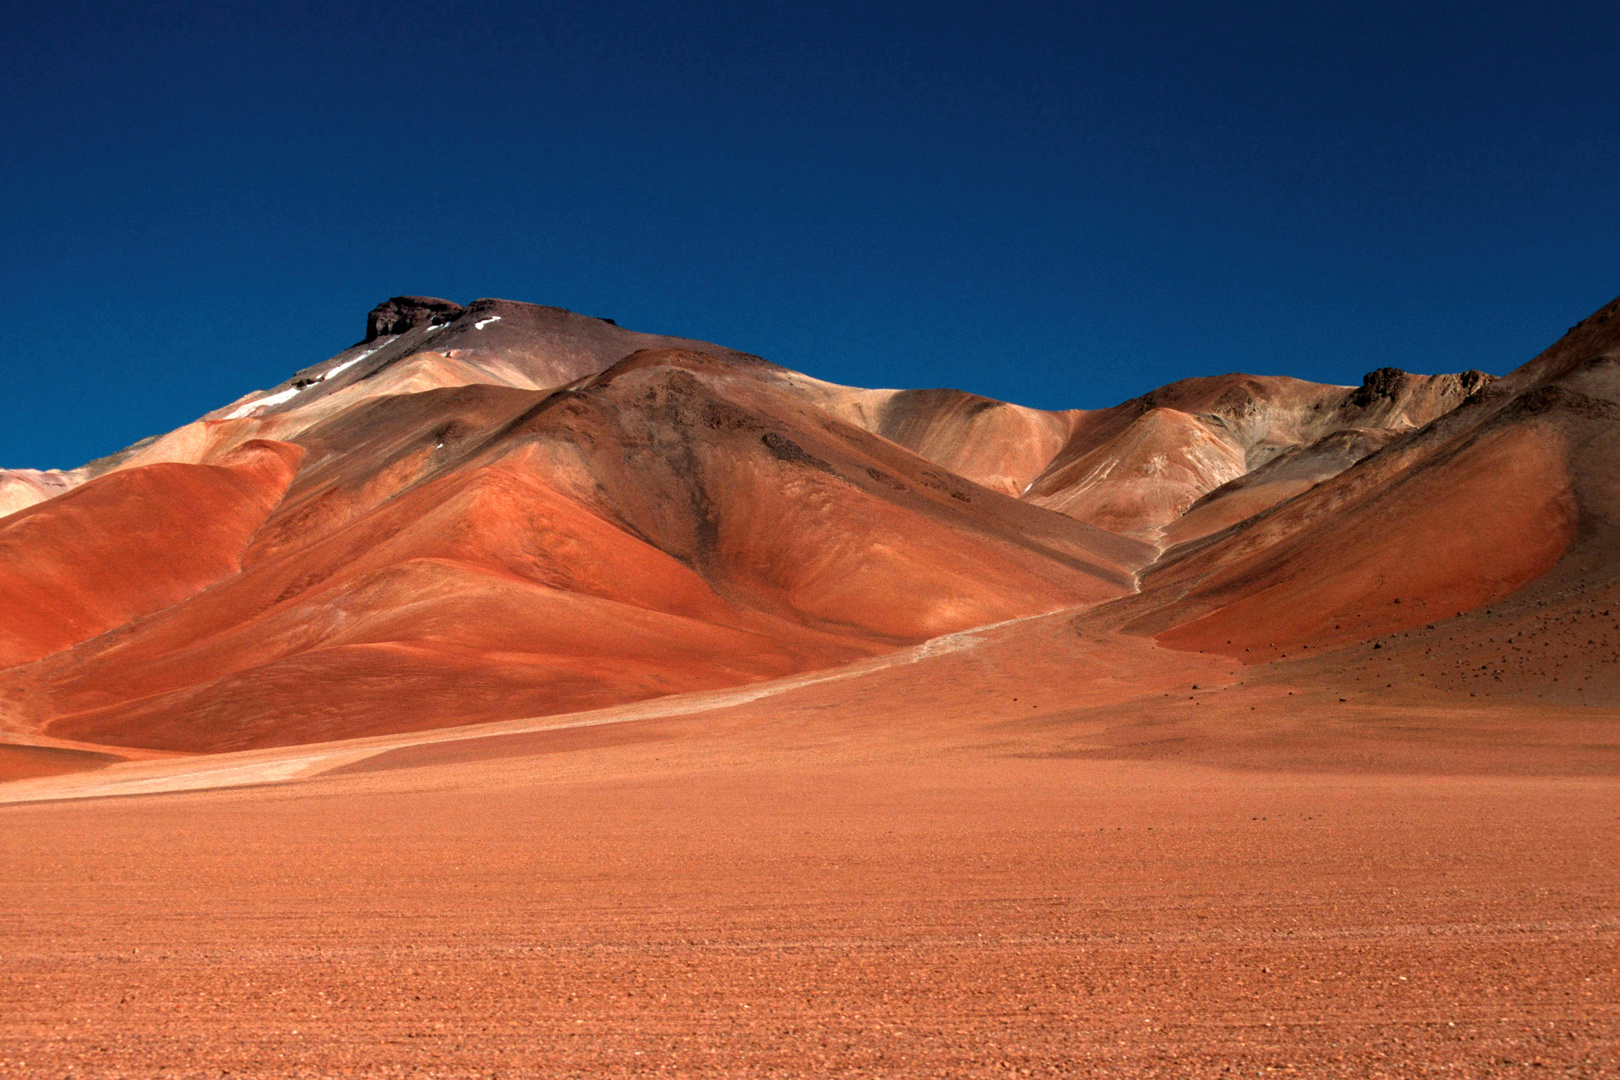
(778, 502)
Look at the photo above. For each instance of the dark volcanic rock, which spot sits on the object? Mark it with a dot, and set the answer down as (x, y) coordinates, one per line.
(1386, 382)
(402, 313)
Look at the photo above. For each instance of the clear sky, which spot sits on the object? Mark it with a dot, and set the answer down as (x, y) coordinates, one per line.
(1059, 205)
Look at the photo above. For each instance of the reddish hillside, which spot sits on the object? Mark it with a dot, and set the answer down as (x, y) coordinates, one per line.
(129, 544)
(1309, 767)
(1510, 502)
(678, 522)
(506, 510)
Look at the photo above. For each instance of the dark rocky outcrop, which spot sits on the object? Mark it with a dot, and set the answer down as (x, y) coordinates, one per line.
(1386, 382)
(402, 313)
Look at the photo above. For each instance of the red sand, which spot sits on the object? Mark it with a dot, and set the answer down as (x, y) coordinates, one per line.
(28, 762)
(924, 870)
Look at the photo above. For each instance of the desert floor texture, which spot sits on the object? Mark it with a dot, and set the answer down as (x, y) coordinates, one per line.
(912, 868)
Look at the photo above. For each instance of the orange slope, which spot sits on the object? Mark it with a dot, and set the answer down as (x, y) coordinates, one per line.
(788, 509)
(130, 543)
(419, 645)
(480, 553)
(1451, 537)
(689, 518)
(1460, 514)
(1139, 467)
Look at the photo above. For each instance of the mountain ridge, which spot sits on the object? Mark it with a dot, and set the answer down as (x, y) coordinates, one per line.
(505, 509)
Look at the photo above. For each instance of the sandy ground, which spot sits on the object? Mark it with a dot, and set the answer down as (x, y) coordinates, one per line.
(966, 917)
(910, 870)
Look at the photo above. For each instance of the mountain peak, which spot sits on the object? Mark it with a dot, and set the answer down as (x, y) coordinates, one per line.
(398, 314)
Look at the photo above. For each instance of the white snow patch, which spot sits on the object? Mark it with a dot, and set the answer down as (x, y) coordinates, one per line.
(434, 326)
(263, 403)
(481, 323)
(346, 365)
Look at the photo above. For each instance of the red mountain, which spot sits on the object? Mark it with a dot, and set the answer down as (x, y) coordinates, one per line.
(505, 510)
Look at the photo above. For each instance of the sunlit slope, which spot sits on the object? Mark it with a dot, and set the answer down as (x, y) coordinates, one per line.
(1177, 463)
(129, 544)
(504, 510)
(473, 553)
(1514, 496)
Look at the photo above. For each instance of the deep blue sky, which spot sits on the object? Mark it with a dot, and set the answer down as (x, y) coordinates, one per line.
(1060, 206)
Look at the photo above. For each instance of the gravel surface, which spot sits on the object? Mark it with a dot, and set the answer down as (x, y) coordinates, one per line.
(627, 910)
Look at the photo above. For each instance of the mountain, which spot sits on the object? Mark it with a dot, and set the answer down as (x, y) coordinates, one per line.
(1478, 553)
(505, 510)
